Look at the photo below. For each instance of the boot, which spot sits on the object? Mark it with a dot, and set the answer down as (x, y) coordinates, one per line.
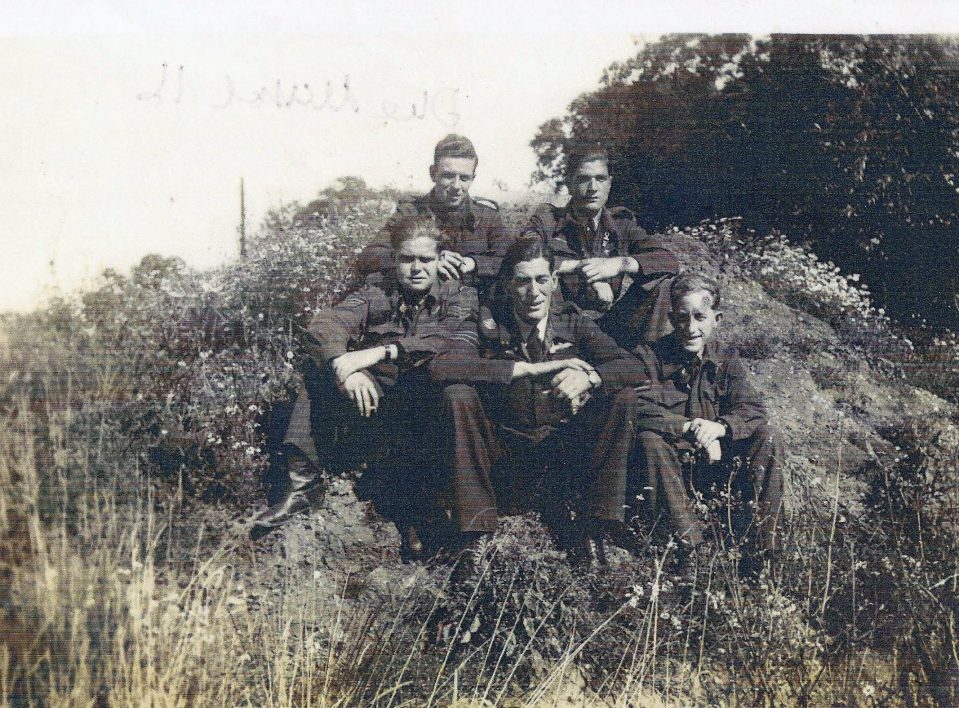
(306, 490)
(589, 550)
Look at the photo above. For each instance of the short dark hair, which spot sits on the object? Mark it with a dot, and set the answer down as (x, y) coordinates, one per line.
(579, 153)
(528, 247)
(691, 283)
(410, 226)
(454, 145)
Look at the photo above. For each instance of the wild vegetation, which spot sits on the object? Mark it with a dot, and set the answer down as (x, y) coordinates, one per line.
(137, 424)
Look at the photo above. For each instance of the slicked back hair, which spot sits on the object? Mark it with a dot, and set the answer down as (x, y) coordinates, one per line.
(526, 248)
(454, 145)
(411, 226)
(688, 283)
(580, 153)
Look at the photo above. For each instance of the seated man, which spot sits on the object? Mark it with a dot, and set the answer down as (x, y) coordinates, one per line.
(474, 238)
(703, 413)
(366, 383)
(610, 267)
(538, 387)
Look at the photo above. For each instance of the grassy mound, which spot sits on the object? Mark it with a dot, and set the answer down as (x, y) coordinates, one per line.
(137, 421)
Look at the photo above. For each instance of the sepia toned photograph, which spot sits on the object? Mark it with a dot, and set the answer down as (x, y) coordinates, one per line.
(365, 354)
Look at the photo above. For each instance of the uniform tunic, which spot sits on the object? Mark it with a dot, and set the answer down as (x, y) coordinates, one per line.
(640, 308)
(716, 388)
(505, 432)
(325, 425)
(475, 229)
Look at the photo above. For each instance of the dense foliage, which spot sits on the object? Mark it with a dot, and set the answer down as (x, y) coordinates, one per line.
(850, 144)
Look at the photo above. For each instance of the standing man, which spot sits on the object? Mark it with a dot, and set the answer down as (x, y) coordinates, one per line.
(539, 387)
(609, 266)
(366, 385)
(474, 238)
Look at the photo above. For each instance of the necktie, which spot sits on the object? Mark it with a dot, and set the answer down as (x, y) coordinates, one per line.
(534, 348)
(687, 374)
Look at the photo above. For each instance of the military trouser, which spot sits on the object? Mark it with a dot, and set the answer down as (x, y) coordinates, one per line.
(750, 470)
(586, 457)
(397, 442)
(641, 315)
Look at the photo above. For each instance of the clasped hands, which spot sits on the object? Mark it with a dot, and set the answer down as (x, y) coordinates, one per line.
(598, 271)
(706, 435)
(573, 379)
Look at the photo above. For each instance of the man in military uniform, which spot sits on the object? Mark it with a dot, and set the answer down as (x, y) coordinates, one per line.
(474, 236)
(366, 384)
(609, 266)
(538, 387)
(703, 425)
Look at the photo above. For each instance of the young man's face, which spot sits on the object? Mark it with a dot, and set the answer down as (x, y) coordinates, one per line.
(589, 186)
(695, 319)
(532, 287)
(452, 177)
(416, 262)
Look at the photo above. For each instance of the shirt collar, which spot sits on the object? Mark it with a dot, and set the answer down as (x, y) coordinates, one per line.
(600, 220)
(670, 351)
(465, 209)
(525, 329)
(429, 300)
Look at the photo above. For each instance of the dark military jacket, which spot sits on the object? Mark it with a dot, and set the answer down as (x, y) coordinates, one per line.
(486, 358)
(715, 388)
(378, 315)
(617, 234)
(475, 230)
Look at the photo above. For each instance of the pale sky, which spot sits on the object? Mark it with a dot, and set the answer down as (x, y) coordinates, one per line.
(103, 160)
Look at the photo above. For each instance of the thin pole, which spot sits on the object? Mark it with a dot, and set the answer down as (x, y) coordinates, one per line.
(242, 221)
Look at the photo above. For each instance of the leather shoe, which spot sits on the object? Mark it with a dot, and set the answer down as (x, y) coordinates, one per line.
(590, 552)
(281, 513)
(307, 489)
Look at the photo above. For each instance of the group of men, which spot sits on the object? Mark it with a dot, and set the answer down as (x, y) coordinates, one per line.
(566, 366)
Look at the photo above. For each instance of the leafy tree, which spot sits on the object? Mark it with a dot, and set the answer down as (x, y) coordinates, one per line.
(847, 143)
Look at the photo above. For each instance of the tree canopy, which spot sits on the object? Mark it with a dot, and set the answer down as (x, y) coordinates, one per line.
(847, 143)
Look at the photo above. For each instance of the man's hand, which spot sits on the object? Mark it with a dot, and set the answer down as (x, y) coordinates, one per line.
(705, 432)
(451, 264)
(525, 368)
(714, 453)
(598, 269)
(347, 364)
(604, 292)
(571, 384)
(567, 266)
(361, 389)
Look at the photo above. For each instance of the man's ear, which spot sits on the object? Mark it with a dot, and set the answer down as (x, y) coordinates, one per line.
(433, 173)
(553, 281)
(719, 316)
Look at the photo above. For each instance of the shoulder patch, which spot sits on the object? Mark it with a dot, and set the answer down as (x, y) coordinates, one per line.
(410, 204)
(484, 202)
